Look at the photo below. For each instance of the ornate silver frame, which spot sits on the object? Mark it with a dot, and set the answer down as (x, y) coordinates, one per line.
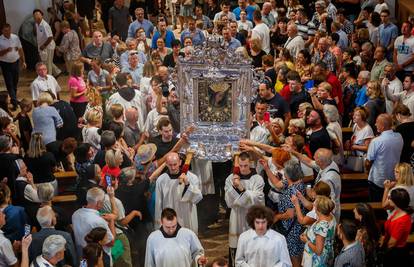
(215, 67)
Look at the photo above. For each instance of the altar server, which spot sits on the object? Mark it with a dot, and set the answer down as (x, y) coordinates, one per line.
(243, 189)
(261, 246)
(179, 191)
(173, 245)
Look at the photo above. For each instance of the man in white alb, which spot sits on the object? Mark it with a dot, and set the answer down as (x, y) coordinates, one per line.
(178, 191)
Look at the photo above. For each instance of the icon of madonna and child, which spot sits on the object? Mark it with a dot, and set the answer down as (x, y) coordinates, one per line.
(215, 101)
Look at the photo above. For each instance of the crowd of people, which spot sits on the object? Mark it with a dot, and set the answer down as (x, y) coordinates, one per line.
(141, 202)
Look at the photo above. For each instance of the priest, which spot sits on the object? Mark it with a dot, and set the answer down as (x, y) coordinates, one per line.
(260, 246)
(173, 245)
(243, 189)
(179, 191)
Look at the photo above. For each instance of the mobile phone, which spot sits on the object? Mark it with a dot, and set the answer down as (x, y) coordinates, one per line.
(266, 117)
(83, 263)
(108, 180)
(27, 229)
(309, 85)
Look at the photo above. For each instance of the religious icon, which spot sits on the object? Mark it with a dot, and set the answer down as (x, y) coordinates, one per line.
(215, 101)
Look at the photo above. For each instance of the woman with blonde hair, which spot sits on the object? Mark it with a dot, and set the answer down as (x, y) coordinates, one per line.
(404, 178)
(113, 159)
(90, 132)
(41, 163)
(296, 126)
(320, 236)
(376, 102)
(46, 118)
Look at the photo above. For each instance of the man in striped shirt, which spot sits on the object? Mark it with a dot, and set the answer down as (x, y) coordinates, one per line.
(306, 28)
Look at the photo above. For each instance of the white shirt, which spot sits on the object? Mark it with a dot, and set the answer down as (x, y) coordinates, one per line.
(262, 32)
(48, 84)
(405, 50)
(269, 250)
(43, 32)
(360, 135)
(395, 86)
(294, 45)
(42, 262)
(407, 98)
(14, 43)
(7, 257)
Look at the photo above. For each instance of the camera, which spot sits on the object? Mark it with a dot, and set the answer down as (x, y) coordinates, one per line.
(165, 89)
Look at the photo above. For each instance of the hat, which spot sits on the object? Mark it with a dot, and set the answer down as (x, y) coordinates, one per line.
(145, 153)
(280, 156)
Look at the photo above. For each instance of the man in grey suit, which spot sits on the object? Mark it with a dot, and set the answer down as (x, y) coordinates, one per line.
(47, 220)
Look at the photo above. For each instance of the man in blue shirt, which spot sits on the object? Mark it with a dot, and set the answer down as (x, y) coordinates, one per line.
(196, 35)
(134, 68)
(232, 43)
(388, 32)
(244, 7)
(162, 32)
(361, 95)
(132, 46)
(383, 154)
(140, 22)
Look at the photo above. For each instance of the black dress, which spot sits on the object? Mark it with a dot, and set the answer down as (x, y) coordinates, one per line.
(406, 130)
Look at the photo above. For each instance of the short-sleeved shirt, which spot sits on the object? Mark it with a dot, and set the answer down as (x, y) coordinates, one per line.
(169, 37)
(145, 24)
(387, 33)
(399, 229)
(43, 32)
(7, 257)
(136, 73)
(45, 121)
(360, 135)
(319, 139)
(405, 50)
(120, 21)
(384, 151)
(103, 52)
(98, 79)
(14, 43)
(42, 167)
(163, 147)
(197, 36)
(278, 107)
(44, 84)
(77, 84)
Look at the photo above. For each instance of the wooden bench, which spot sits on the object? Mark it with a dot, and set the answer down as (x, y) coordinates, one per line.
(347, 130)
(410, 239)
(354, 176)
(65, 175)
(351, 206)
(64, 199)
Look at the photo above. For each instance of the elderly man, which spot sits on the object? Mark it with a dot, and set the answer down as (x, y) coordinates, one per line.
(164, 33)
(232, 43)
(131, 130)
(46, 44)
(179, 191)
(242, 190)
(96, 49)
(361, 95)
(295, 42)
(267, 17)
(383, 153)
(47, 220)
(328, 172)
(69, 45)
(380, 62)
(53, 251)
(134, 68)
(197, 35)
(43, 83)
(367, 56)
(261, 31)
(87, 218)
(260, 245)
(391, 85)
(323, 54)
(132, 48)
(140, 22)
(173, 244)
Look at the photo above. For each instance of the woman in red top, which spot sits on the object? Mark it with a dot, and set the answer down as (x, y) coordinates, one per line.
(113, 159)
(397, 229)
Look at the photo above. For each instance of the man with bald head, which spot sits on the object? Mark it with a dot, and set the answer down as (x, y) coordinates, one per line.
(295, 42)
(328, 172)
(131, 128)
(383, 154)
(179, 191)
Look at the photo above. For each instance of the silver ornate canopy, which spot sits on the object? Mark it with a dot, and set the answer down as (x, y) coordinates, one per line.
(215, 85)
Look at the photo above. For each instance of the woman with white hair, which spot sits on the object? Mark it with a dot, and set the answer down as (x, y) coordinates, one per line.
(335, 132)
(53, 251)
(296, 126)
(276, 129)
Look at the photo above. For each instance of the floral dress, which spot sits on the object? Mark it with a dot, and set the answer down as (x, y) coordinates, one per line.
(327, 230)
(294, 244)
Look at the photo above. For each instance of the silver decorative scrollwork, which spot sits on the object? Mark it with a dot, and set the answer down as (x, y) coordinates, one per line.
(215, 85)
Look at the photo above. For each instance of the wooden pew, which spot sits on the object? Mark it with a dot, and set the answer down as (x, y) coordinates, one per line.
(354, 176)
(64, 199)
(65, 175)
(351, 206)
(347, 130)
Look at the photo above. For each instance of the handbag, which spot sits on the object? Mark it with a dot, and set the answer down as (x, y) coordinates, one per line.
(354, 162)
